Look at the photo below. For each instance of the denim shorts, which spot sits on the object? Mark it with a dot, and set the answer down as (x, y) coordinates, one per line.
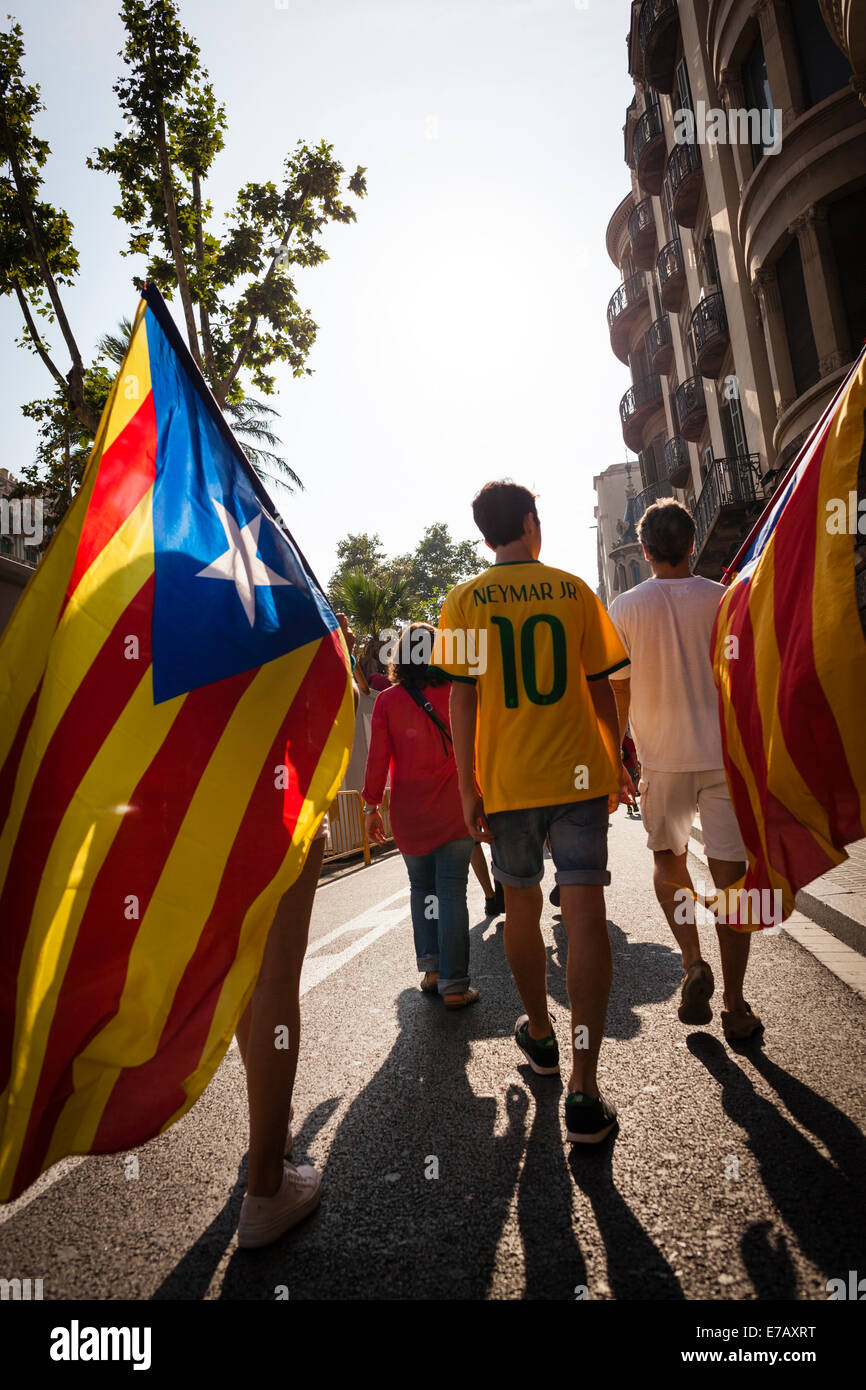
(578, 843)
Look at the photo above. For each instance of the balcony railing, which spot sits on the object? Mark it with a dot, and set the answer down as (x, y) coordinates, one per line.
(649, 495)
(672, 274)
(691, 408)
(686, 177)
(622, 307)
(677, 461)
(657, 29)
(710, 334)
(659, 345)
(642, 234)
(639, 402)
(730, 486)
(649, 150)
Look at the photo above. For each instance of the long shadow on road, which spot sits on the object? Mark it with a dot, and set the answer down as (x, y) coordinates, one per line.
(426, 1167)
(644, 972)
(823, 1201)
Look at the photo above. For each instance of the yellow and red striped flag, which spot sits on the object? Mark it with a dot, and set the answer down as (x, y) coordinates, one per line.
(789, 659)
(175, 717)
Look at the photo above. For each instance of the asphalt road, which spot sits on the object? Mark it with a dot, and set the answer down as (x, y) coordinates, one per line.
(735, 1174)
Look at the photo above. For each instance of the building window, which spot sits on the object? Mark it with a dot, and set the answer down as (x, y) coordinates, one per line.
(824, 69)
(621, 583)
(671, 224)
(798, 323)
(639, 362)
(706, 463)
(5, 546)
(710, 263)
(756, 90)
(684, 91)
(847, 219)
(635, 573)
(733, 428)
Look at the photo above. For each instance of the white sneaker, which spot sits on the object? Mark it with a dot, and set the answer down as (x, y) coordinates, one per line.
(264, 1219)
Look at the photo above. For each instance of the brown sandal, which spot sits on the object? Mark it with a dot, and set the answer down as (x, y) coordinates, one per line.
(697, 990)
(461, 1001)
(427, 987)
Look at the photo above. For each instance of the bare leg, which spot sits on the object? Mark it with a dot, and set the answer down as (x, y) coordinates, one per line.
(524, 948)
(670, 872)
(275, 1002)
(588, 977)
(733, 945)
(479, 867)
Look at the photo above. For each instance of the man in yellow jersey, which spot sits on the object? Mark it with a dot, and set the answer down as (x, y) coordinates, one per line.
(534, 722)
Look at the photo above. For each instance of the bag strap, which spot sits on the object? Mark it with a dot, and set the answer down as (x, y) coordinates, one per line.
(417, 698)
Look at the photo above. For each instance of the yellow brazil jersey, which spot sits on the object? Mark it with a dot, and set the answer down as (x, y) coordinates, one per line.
(531, 637)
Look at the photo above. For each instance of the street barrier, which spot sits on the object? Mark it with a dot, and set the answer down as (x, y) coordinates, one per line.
(346, 831)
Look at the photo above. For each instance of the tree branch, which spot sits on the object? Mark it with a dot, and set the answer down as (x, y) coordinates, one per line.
(171, 217)
(204, 317)
(75, 386)
(226, 385)
(36, 340)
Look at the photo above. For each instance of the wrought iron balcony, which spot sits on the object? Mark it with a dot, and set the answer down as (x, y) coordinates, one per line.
(642, 233)
(623, 308)
(691, 408)
(657, 28)
(651, 494)
(659, 345)
(649, 150)
(723, 511)
(671, 270)
(677, 461)
(640, 401)
(686, 177)
(710, 334)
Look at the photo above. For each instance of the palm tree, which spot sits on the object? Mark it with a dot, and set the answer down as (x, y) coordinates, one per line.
(250, 418)
(372, 605)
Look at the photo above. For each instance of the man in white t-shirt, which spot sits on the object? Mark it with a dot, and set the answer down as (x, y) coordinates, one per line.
(668, 695)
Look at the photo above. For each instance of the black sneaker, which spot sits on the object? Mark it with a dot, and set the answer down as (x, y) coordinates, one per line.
(588, 1120)
(495, 906)
(542, 1053)
(553, 896)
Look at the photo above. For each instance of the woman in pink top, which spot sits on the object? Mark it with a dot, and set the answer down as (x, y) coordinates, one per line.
(410, 736)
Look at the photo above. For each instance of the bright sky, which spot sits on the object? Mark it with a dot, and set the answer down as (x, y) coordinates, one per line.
(462, 331)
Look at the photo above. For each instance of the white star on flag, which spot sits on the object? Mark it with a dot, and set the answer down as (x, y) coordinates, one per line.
(241, 563)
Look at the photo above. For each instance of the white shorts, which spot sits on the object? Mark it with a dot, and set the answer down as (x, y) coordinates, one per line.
(668, 802)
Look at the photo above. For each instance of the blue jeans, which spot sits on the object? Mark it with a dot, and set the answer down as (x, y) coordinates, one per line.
(440, 917)
(578, 843)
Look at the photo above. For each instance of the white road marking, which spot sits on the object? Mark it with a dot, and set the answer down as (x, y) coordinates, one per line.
(381, 920)
(369, 917)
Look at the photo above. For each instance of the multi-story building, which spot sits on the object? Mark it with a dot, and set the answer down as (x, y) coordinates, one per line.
(739, 244)
(621, 562)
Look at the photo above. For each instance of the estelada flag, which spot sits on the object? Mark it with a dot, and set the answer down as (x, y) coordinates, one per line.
(789, 660)
(175, 717)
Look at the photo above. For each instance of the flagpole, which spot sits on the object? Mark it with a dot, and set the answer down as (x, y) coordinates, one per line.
(789, 473)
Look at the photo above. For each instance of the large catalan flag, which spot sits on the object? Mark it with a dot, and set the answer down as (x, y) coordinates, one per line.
(175, 716)
(789, 659)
